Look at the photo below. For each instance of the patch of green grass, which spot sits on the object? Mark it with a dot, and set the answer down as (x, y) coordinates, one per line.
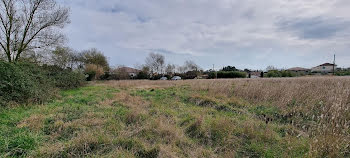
(19, 142)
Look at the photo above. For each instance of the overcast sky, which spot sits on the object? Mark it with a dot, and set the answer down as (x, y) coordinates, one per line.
(243, 33)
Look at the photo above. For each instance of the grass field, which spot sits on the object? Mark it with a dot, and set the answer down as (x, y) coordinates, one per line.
(300, 117)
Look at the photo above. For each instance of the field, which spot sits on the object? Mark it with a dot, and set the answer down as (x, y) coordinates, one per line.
(293, 117)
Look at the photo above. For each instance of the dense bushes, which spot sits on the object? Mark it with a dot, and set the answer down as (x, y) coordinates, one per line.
(93, 71)
(276, 73)
(228, 74)
(25, 83)
(342, 73)
(64, 78)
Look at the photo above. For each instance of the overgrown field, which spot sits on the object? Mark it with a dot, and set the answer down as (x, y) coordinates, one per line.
(301, 117)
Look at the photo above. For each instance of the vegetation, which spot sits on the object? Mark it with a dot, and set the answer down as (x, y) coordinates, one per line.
(30, 25)
(343, 73)
(229, 68)
(227, 74)
(283, 73)
(29, 83)
(202, 118)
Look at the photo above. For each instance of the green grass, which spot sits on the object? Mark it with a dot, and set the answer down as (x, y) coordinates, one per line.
(102, 121)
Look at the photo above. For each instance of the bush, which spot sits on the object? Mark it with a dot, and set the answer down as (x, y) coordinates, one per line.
(64, 78)
(22, 82)
(227, 74)
(276, 73)
(342, 73)
(93, 71)
(30, 83)
(142, 75)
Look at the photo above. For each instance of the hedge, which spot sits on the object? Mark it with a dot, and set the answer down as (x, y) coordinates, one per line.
(30, 83)
(227, 74)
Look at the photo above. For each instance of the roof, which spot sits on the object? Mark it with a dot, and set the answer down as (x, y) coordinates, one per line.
(327, 64)
(128, 70)
(298, 69)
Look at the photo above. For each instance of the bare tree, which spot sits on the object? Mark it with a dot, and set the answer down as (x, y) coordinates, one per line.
(30, 24)
(155, 62)
(170, 69)
(270, 67)
(181, 69)
(191, 66)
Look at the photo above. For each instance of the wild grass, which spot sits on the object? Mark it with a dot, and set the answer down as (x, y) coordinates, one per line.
(301, 117)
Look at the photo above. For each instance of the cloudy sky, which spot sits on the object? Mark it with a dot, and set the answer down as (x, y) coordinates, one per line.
(245, 33)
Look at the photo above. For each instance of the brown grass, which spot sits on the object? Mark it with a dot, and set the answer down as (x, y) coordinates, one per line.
(318, 106)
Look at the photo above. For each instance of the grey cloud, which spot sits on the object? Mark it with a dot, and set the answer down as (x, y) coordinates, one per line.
(249, 33)
(315, 28)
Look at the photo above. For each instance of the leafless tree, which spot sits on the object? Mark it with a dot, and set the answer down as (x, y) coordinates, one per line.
(181, 69)
(30, 24)
(191, 66)
(155, 62)
(270, 67)
(170, 69)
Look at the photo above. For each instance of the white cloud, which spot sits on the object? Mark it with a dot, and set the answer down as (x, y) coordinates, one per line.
(249, 33)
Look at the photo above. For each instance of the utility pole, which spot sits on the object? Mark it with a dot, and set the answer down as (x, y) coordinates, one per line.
(216, 74)
(334, 65)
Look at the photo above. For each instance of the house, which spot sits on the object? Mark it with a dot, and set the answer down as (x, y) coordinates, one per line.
(299, 70)
(324, 68)
(254, 74)
(131, 71)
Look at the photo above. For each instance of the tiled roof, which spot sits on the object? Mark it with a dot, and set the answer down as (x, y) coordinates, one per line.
(128, 69)
(327, 64)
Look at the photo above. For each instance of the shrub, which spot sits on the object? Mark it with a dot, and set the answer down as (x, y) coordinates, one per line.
(30, 83)
(93, 71)
(276, 73)
(343, 73)
(65, 78)
(23, 82)
(142, 75)
(228, 74)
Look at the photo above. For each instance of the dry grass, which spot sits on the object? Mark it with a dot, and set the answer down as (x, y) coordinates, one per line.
(318, 106)
(291, 117)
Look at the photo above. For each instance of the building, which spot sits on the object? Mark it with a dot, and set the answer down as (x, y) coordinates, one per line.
(131, 71)
(324, 68)
(255, 74)
(299, 70)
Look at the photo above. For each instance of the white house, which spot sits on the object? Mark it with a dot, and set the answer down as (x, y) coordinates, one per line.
(324, 68)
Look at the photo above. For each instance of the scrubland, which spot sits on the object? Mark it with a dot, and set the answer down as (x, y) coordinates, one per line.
(292, 117)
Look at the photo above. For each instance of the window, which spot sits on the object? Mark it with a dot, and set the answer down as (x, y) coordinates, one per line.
(323, 67)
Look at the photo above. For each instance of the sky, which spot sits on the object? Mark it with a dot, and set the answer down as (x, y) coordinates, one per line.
(243, 33)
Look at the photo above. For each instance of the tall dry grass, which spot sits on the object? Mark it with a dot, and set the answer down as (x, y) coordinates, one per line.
(319, 106)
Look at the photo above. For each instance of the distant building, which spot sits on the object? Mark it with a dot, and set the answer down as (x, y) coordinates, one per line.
(324, 68)
(299, 70)
(131, 71)
(255, 74)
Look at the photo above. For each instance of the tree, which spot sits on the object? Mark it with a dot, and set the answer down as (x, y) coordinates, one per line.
(94, 71)
(64, 57)
(269, 68)
(155, 62)
(95, 57)
(30, 24)
(229, 68)
(191, 66)
(170, 69)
